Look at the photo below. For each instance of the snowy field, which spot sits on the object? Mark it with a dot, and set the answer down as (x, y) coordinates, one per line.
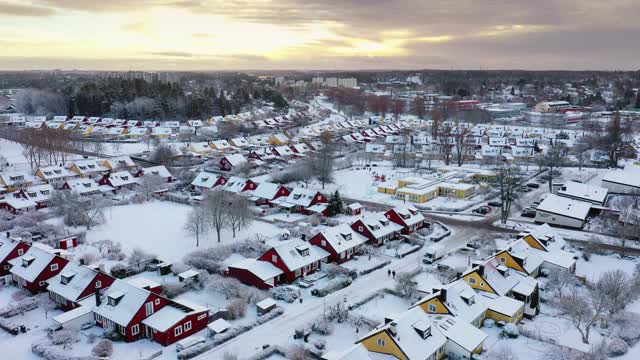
(158, 227)
(12, 151)
(599, 264)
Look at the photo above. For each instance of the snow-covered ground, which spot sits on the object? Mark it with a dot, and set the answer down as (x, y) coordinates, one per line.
(599, 264)
(12, 151)
(158, 227)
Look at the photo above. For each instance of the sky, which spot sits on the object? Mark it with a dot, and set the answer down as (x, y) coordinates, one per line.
(319, 34)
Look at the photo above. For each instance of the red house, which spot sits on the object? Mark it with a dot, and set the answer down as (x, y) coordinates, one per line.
(207, 180)
(18, 205)
(377, 228)
(159, 171)
(261, 274)
(406, 216)
(75, 283)
(119, 180)
(9, 250)
(232, 161)
(341, 242)
(237, 185)
(67, 243)
(266, 192)
(176, 321)
(296, 259)
(40, 194)
(300, 200)
(32, 270)
(124, 307)
(135, 313)
(264, 154)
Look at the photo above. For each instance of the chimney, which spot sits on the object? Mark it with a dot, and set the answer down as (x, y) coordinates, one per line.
(393, 327)
(304, 237)
(481, 270)
(8, 234)
(97, 292)
(443, 295)
(81, 261)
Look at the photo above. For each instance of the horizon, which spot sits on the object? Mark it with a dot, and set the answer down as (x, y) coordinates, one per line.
(295, 35)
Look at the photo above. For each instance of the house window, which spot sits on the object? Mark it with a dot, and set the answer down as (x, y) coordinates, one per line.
(42, 283)
(432, 308)
(135, 329)
(503, 260)
(324, 243)
(381, 342)
(7, 267)
(149, 308)
(157, 301)
(54, 267)
(472, 280)
(202, 317)
(178, 331)
(274, 258)
(20, 252)
(98, 284)
(360, 228)
(187, 326)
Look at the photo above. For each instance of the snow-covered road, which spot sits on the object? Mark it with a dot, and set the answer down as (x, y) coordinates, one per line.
(279, 331)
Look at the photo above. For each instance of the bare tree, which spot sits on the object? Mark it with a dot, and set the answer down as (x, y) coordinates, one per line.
(78, 210)
(615, 286)
(579, 310)
(323, 162)
(150, 183)
(198, 222)
(139, 258)
(552, 159)
(238, 214)
(405, 284)
(559, 280)
(216, 202)
(508, 178)
(163, 154)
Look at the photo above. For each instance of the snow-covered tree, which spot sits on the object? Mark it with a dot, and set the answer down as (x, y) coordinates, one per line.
(197, 222)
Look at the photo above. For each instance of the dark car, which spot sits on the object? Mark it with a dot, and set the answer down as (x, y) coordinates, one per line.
(494, 203)
(483, 210)
(533, 185)
(528, 214)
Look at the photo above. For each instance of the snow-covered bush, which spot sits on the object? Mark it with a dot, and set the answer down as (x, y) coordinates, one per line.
(18, 307)
(320, 344)
(174, 289)
(63, 337)
(360, 321)
(336, 284)
(617, 347)
(51, 352)
(229, 356)
(104, 348)
(511, 330)
(334, 270)
(139, 258)
(630, 331)
(298, 352)
(285, 293)
(237, 308)
(338, 313)
(489, 323)
(322, 327)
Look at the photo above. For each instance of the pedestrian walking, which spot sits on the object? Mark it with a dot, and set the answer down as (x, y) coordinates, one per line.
(394, 274)
(389, 273)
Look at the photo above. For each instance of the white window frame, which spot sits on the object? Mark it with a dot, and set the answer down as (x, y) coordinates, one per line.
(381, 342)
(202, 317)
(42, 283)
(135, 329)
(433, 308)
(177, 331)
(98, 284)
(54, 267)
(157, 301)
(187, 326)
(148, 306)
(20, 252)
(274, 258)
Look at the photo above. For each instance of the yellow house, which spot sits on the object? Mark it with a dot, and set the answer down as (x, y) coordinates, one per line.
(457, 299)
(456, 190)
(417, 195)
(201, 148)
(13, 181)
(278, 140)
(388, 187)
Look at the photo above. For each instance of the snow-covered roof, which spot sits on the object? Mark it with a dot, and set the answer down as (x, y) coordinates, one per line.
(12, 177)
(262, 269)
(301, 196)
(143, 283)
(380, 226)
(409, 214)
(72, 281)
(584, 192)
(54, 172)
(119, 162)
(122, 178)
(89, 166)
(531, 257)
(82, 186)
(159, 170)
(6, 247)
(129, 298)
(266, 190)
(460, 332)
(219, 326)
(296, 253)
(629, 176)
(405, 329)
(342, 237)
(205, 179)
(235, 184)
(565, 207)
(235, 159)
(502, 304)
(163, 319)
(19, 203)
(31, 264)
(39, 193)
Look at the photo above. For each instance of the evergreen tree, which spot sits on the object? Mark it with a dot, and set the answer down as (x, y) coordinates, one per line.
(335, 204)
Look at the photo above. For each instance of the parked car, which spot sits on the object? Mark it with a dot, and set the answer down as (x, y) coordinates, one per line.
(533, 185)
(524, 189)
(482, 210)
(494, 203)
(528, 214)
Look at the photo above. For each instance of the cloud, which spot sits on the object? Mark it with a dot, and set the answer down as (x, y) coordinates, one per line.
(12, 9)
(180, 54)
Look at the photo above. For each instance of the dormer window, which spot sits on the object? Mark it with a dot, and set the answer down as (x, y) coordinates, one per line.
(423, 329)
(65, 279)
(303, 250)
(296, 196)
(406, 216)
(384, 222)
(114, 298)
(91, 166)
(27, 260)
